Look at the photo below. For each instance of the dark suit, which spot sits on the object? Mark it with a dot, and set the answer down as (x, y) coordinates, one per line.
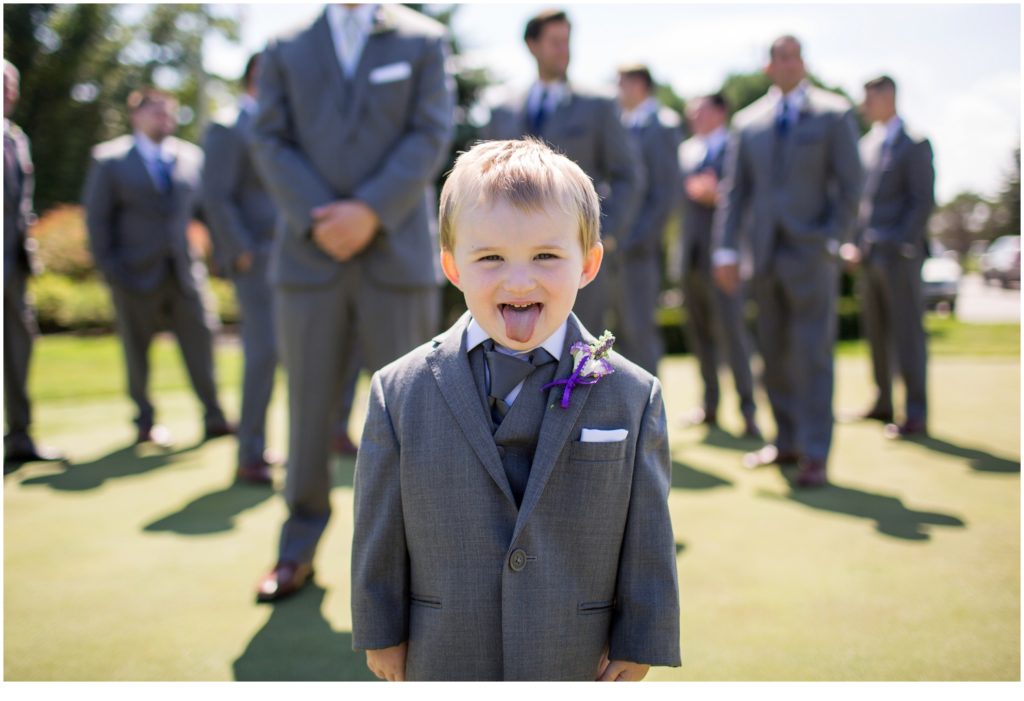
(715, 321)
(585, 127)
(19, 319)
(379, 137)
(138, 238)
(793, 196)
(891, 234)
(635, 292)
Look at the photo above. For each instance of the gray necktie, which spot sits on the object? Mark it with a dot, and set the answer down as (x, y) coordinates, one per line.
(507, 371)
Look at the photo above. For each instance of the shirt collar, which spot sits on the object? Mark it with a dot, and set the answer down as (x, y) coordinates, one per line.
(364, 16)
(475, 335)
(247, 103)
(892, 128)
(556, 92)
(796, 98)
(639, 114)
(149, 149)
(715, 140)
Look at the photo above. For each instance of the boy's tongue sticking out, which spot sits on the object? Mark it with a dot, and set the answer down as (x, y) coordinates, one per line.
(520, 320)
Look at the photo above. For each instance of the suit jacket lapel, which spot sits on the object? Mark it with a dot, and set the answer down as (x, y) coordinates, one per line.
(323, 45)
(374, 54)
(138, 172)
(450, 365)
(558, 422)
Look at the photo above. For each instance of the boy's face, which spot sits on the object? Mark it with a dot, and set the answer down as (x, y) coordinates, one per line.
(519, 271)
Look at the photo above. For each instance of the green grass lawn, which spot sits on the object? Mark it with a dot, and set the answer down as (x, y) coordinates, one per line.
(136, 564)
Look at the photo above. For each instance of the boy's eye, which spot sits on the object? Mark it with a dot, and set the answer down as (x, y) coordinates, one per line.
(546, 256)
(491, 258)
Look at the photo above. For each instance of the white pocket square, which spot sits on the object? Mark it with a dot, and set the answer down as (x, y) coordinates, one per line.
(600, 435)
(390, 73)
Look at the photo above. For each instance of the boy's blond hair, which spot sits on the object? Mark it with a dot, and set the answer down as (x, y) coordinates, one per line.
(526, 174)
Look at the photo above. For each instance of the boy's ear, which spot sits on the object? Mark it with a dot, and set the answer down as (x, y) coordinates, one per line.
(448, 266)
(591, 264)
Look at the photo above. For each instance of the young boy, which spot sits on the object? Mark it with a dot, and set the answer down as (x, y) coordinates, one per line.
(511, 516)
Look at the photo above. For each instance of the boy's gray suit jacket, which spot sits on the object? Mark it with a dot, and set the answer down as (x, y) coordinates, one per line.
(482, 590)
(379, 137)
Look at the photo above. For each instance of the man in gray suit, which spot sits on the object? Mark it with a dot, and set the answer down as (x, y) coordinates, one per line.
(656, 135)
(585, 126)
(139, 197)
(714, 319)
(355, 120)
(19, 318)
(890, 246)
(792, 183)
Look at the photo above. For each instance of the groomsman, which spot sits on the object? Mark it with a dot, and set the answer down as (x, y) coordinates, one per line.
(19, 318)
(792, 183)
(584, 126)
(890, 247)
(139, 197)
(656, 135)
(354, 122)
(714, 318)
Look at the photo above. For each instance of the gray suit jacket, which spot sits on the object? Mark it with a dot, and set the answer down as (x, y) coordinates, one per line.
(134, 229)
(811, 193)
(899, 195)
(585, 127)
(238, 207)
(657, 141)
(380, 138)
(18, 215)
(442, 557)
(697, 218)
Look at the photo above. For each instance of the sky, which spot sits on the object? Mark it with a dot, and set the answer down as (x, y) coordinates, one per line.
(957, 66)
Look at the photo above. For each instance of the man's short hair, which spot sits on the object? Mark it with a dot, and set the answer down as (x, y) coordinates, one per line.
(250, 70)
(784, 39)
(526, 174)
(882, 82)
(637, 70)
(717, 100)
(146, 96)
(537, 23)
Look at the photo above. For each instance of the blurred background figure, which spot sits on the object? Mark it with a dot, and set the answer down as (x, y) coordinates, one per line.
(19, 318)
(656, 135)
(716, 326)
(140, 194)
(791, 187)
(354, 122)
(891, 246)
(584, 126)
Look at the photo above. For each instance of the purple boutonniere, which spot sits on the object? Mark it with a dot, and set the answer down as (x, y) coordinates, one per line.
(590, 365)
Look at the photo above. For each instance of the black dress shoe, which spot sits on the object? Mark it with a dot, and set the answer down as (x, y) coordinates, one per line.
(876, 414)
(908, 429)
(37, 453)
(284, 580)
(341, 444)
(217, 429)
(813, 473)
(750, 429)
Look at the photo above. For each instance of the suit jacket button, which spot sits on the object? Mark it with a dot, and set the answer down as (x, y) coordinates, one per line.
(518, 560)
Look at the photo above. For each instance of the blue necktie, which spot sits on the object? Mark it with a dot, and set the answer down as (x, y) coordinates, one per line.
(163, 175)
(782, 122)
(537, 118)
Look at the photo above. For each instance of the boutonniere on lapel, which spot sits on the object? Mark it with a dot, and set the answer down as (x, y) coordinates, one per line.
(591, 364)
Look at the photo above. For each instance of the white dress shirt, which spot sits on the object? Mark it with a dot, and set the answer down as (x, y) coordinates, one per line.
(639, 115)
(152, 152)
(350, 49)
(475, 335)
(555, 93)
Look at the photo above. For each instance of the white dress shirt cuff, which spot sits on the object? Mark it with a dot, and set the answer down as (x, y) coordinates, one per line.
(724, 256)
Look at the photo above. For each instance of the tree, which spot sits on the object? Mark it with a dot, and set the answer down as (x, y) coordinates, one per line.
(78, 64)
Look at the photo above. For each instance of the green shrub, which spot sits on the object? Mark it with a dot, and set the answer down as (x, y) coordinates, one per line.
(65, 304)
(63, 243)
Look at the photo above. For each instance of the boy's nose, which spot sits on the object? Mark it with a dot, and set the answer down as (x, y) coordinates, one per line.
(519, 280)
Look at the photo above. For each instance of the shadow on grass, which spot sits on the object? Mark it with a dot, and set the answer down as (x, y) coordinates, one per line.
(298, 644)
(686, 477)
(344, 470)
(214, 512)
(719, 438)
(123, 462)
(979, 460)
(891, 516)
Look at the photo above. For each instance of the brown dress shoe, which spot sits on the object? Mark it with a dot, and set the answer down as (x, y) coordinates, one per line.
(157, 434)
(908, 429)
(34, 453)
(768, 455)
(284, 580)
(812, 473)
(341, 444)
(699, 417)
(254, 473)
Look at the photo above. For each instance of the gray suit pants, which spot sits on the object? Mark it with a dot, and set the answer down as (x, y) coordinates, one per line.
(796, 324)
(716, 327)
(891, 308)
(318, 330)
(19, 330)
(140, 315)
(256, 303)
(636, 282)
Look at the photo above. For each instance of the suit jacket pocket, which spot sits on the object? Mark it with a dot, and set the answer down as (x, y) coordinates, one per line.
(590, 608)
(580, 451)
(431, 602)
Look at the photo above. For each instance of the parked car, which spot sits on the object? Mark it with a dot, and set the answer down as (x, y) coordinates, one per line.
(1001, 261)
(941, 277)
